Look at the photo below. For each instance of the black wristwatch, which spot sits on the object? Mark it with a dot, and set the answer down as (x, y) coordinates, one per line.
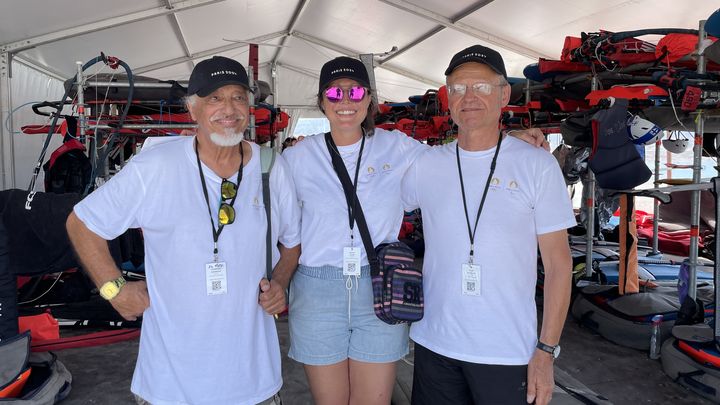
(553, 350)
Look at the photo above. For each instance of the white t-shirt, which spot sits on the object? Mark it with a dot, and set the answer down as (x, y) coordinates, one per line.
(527, 197)
(196, 348)
(325, 223)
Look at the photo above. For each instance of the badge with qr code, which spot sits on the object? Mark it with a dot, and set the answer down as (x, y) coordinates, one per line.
(471, 279)
(216, 278)
(351, 261)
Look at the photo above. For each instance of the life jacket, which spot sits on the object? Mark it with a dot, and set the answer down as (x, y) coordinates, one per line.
(68, 170)
(615, 160)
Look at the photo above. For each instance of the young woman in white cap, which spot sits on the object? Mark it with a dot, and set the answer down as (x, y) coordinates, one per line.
(348, 353)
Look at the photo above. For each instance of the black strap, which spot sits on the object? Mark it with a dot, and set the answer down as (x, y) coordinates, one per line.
(472, 231)
(353, 201)
(216, 233)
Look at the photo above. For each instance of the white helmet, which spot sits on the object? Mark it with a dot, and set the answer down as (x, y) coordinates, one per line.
(642, 131)
(676, 143)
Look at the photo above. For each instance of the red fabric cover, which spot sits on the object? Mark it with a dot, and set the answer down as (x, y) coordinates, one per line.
(87, 340)
(423, 129)
(14, 389)
(442, 95)
(570, 44)
(388, 126)
(641, 92)
(265, 130)
(627, 59)
(384, 109)
(405, 229)
(677, 46)
(676, 243)
(43, 129)
(548, 65)
(67, 146)
(22, 280)
(42, 327)
(441, 123)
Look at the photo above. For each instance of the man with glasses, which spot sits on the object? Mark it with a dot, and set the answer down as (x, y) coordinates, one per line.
(208, 334)
(488, 202)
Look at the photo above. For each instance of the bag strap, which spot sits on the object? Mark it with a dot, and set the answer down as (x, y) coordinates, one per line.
(351, 197)
(267, 160)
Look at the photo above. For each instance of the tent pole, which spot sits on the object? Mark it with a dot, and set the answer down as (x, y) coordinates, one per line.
(697, 168)
(656, 203)
(367, 60)
(589, 201)
(716, 264)
(7, 167)
(274, 78)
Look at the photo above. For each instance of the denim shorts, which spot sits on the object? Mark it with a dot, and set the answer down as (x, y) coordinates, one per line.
(331, 319)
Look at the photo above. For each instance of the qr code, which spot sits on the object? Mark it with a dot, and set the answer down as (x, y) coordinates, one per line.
(351, 267)
(216, 285)
(470, 286)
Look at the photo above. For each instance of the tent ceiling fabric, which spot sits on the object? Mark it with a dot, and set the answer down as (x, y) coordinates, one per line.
(428, 36)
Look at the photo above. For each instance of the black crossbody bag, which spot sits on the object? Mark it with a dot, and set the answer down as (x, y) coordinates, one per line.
(397, 284)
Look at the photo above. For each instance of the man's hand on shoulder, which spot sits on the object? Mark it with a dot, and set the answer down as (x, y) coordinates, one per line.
(533, 136)
(541, 381)
(132, 300)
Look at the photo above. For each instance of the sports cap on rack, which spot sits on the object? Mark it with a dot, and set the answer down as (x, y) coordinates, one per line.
(343, 67)
(211, 74)
(480, 54)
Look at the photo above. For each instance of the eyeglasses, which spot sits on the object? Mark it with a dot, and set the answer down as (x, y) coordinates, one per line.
(355, 94)
(228, 191)
(479, 89)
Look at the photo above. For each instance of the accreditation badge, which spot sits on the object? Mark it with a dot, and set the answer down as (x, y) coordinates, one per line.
(351, 261)
(471, 279)
(216, 278)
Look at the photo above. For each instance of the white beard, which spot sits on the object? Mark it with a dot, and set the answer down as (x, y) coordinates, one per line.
(229, 138)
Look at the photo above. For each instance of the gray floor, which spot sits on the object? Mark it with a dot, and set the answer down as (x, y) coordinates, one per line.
(624, 376)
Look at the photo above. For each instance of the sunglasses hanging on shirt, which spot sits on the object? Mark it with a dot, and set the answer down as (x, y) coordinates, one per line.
(355, 94)
(226, 213)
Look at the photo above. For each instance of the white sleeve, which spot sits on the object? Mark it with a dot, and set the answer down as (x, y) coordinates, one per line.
(114, 207)
(285, 208)
(408, 190)
(553, 207)
(412, 148)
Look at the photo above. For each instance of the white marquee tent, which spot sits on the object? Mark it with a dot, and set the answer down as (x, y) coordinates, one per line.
(41, 40)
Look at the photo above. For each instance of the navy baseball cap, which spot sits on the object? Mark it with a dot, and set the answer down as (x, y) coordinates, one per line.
(479, 54)
(343, 67)
(211, 74)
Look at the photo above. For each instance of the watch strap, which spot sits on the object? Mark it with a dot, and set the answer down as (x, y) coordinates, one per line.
(553, 350)
(118, 283)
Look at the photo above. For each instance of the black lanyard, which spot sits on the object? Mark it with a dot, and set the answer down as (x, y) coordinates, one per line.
(471, 233)
(216, 233)
(349, 198)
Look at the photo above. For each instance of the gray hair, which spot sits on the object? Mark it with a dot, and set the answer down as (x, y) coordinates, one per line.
(191, 99)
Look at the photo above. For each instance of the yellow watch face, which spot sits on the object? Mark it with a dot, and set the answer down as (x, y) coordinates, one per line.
(109, 290)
